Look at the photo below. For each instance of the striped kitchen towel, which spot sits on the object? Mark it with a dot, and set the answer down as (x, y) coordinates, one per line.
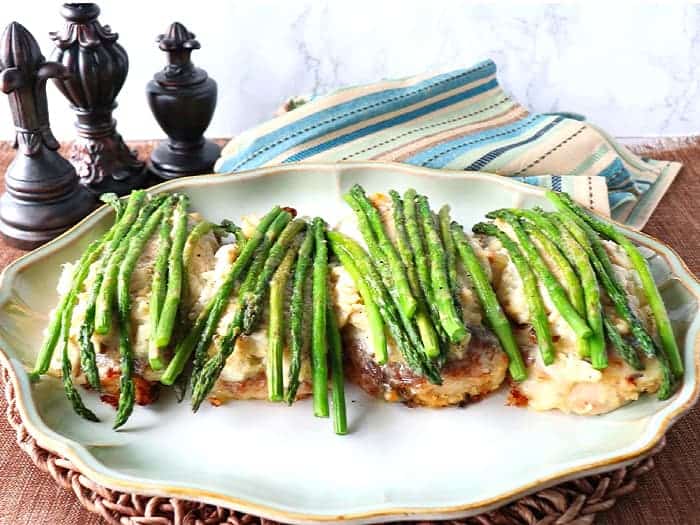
(462, 120)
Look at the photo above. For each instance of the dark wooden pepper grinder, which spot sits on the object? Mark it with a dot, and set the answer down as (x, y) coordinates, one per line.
(42, 197)
(182, 98)
(98, 67)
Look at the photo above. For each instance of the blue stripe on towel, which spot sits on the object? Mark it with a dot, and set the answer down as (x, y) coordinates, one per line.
(348, 113)
(442, 154)
(616, 174)
(494, 154)
(395, 121)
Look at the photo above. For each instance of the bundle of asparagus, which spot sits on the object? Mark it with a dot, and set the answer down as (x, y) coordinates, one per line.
(571, 241)
(111, 261)
(436, 323)
(410, 287)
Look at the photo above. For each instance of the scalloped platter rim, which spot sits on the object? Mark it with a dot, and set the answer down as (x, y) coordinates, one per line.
(283, 464)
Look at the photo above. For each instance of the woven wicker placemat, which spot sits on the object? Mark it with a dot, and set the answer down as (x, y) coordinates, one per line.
(574, 503)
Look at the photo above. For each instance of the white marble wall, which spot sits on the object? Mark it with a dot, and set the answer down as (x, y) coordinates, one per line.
(632, 68)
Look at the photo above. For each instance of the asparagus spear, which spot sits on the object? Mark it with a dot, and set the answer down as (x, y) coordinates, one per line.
(374, 316)
(450, 254)
(203, 328)
(489, 303)
(43, 360)
(208, 373)
(158, 289)
(66, 316)
(538, 316)
(556, 291)
(115, 253)
(296, 315)
(451, 323)
(80, 272)
(428, 334)
(275, 353)
(234, 229)
(134, 249)
(66, 367)
(591, 292)
(668, 340)
(319, 334)
(415, 238)
(626, 351)
(351, 254)
(193, 238)
(362, 205)
(571, 282)
(340, 418)
(535, 216)
(171, 304)
(253, 301)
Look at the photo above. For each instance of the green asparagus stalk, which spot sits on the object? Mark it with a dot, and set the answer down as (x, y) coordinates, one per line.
(193, 238)
(66, 318)
(133, 252)
(415, 238)
(428, 334)
(556, 291)
(538, 315)
(67, 368)
(171, 304)
(340, 418)
(276, 330)
(208, 373)
(208, 319)
(115, 253)
(626, 351)
(591, 291)
(398, 273)
(253, 301)
(54, 331)
(233, 229)
(450, 254)
(158, 288)
(668, 340)
(376, 324)
(449, 318)
(319, 334)
(350, 254)
(296, 314)
(571, 283)
(489, 303)
(535, 216)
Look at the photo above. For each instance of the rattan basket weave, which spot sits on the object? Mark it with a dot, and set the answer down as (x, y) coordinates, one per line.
(573, 503)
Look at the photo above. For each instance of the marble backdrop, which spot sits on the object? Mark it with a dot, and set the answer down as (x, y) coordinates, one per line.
(632, 68)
